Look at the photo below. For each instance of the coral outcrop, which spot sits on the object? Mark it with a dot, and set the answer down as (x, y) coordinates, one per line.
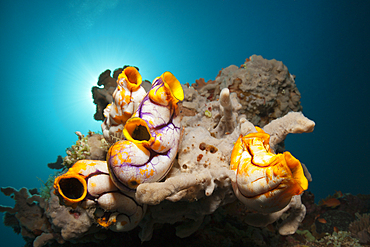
(90, 147)
(203, 167)
(194, 139)
(265, 89)
(27, 216)
(360, 228)
(103, 96)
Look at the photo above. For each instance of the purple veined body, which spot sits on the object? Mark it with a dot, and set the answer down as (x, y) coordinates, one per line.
(152, 137)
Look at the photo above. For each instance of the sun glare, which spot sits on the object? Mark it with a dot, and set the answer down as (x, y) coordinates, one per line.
(80, 71)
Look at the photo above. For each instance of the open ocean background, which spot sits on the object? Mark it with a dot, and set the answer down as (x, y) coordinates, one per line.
(52, 53)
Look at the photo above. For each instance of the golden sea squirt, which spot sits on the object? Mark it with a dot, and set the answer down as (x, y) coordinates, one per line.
(87, 184)
(152, 137)
(265, 181)
(126, 99)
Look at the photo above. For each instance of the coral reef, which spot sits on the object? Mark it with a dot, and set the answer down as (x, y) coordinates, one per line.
(188, 169)
(265, 89)
(203, 163)
(340, 238)
(360, 228)
(103, 96)
(26, 217)
(58, 164)
(90, 147)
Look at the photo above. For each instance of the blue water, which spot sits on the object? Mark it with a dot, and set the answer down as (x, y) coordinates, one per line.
(52, 53)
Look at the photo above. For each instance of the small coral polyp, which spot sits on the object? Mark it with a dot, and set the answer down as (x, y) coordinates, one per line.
(87, 184)
(265, 182)
(152, 137)
(126, 99)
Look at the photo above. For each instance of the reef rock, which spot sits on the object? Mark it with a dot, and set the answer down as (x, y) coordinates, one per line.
(198, 179)
(265, 88)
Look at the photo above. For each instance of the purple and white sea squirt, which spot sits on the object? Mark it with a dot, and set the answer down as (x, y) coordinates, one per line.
(152, 137)
(87, 184)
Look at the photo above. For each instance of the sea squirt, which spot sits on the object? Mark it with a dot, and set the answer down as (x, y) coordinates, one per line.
(87, 184)
(265, 181)
(126, 99)
(152, 137)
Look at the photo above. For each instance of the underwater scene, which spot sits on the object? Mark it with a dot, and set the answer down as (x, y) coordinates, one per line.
(187, 123)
